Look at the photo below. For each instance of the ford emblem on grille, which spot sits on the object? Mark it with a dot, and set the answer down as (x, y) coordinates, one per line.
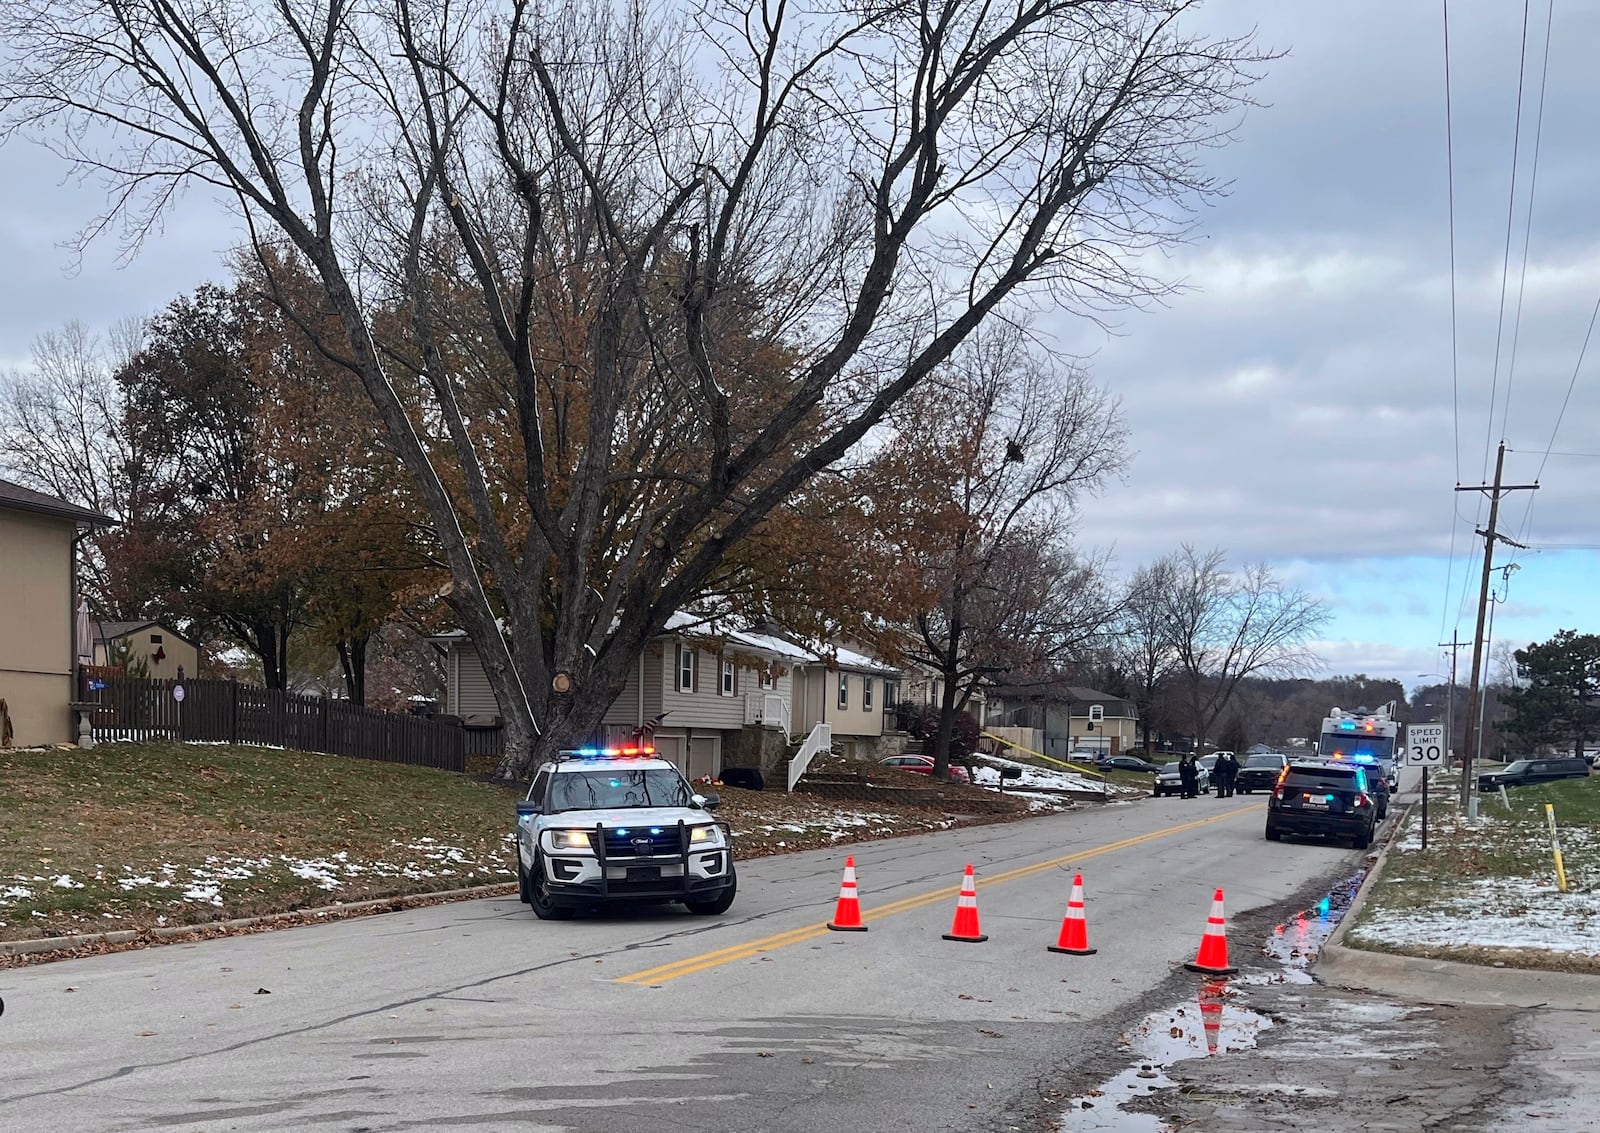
(641, 841)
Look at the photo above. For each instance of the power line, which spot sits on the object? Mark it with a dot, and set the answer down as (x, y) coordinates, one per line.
(1505, 262)
(1450, 194)
(1527, 229)
(1527, 515)
(1455, 369)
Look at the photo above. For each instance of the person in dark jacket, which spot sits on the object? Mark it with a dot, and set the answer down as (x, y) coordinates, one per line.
(1189, 776)
(1225, 772)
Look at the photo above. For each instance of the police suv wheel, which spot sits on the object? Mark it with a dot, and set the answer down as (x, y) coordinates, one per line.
(716, 906)
(538, 897)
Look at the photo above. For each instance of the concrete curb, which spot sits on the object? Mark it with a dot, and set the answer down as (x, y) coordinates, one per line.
(1443, 981)
(168, 933)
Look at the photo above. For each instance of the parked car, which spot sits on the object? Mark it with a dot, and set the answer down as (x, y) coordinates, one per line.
(1522, 772)
(1169, 782)
(1323, 798)
(923, 765)
(1260, 773)
(1130, 763)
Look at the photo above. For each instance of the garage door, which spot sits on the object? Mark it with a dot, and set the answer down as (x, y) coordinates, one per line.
(705, 757)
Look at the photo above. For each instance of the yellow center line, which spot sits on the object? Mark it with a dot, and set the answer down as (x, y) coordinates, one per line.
(689, 965)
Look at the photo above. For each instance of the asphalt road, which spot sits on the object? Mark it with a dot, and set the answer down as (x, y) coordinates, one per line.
(476, 1015)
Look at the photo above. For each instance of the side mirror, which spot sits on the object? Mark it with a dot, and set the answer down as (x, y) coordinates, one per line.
(707, 802)
(526, 810)
(1011, 773)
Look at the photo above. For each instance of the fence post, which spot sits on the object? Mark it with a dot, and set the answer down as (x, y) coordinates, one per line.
(233, 711)
(323, 724)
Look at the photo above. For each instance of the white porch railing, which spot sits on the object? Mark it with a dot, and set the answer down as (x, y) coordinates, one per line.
(768, 709)
(820, 739)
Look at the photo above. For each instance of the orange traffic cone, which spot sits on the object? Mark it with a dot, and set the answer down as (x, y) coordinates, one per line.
(1211, 1012)
(965, 927)
(847, 916)
(1212, 960)
(1074, 927)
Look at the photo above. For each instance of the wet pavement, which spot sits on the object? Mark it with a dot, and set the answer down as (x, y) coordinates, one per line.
(1270, 1049)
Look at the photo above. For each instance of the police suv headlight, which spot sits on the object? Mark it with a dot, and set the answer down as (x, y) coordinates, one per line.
(705, 836)
(571, 840)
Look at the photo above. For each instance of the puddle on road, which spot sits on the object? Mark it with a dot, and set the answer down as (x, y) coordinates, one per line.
(1294, 944)
(1208, 1025)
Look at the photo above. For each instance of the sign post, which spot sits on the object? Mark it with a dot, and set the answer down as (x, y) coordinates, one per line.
(1425, 749)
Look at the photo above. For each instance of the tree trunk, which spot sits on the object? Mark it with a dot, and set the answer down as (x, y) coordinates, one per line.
(353, 663)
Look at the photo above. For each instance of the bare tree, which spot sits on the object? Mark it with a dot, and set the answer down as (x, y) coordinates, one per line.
(998, 444)
(62, 431)
(620, 279)
(1143, 651)
(1226, 625)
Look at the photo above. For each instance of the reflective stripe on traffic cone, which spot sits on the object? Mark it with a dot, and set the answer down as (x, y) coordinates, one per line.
(1074, 939)
(965, 927)
(1213, 956)
(847, 916)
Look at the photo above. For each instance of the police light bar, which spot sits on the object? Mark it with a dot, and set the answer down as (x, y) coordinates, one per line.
(613, 752)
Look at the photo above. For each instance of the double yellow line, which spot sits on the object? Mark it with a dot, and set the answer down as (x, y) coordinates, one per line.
(689, 965)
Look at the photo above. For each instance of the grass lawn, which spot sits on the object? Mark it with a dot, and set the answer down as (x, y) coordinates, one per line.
(132, 836)
(1485, 892)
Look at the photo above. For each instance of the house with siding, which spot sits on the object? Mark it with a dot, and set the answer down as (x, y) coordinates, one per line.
(1063, 718)
(39, 624)
(725, 696)
(853, 694)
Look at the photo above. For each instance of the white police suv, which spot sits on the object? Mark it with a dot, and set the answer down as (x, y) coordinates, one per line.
(611, 825)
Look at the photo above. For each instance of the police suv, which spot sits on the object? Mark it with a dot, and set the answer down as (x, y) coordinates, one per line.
(609, 825)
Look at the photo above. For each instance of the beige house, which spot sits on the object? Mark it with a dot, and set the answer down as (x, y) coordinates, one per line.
(720, 697)
(38, 612)
(853, 694)
(153, 646)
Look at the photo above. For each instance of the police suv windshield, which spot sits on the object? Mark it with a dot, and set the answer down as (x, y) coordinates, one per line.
(609, 790)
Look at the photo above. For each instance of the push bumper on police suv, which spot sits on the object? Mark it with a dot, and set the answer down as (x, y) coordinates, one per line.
(680, 861)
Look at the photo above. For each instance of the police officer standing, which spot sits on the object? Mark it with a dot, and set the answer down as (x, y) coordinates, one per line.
(1225, 772)
(1189, 776)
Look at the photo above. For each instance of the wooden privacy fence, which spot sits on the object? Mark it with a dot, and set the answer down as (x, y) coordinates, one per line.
(131, 708)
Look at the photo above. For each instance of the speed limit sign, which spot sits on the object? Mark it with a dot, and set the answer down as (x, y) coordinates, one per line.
(1425, 745)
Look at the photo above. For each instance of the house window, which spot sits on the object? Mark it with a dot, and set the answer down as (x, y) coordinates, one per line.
(891, 693)
(155, 639)
(866, 694)
(686, 669)
(730, 678)
(765, 678)
(844, 690)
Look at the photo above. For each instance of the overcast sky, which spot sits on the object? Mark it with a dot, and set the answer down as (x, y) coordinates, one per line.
(1294, 405)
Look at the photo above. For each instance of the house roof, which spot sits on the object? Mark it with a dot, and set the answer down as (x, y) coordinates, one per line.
(685, 622)
(111, 631)
(1073, 694)
(14, 495)
(695, 625)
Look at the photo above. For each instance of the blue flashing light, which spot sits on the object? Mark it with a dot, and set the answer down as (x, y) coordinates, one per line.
(1363, 757)
(622, 832)
(655, 830)
(1347, 725)
(1324, 906)
(592, 751)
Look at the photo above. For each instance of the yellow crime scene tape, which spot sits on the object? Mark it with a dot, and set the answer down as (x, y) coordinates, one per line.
(1047, 758)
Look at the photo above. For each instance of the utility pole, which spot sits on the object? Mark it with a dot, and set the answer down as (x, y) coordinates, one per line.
(1469, 799)
(1450, 705)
